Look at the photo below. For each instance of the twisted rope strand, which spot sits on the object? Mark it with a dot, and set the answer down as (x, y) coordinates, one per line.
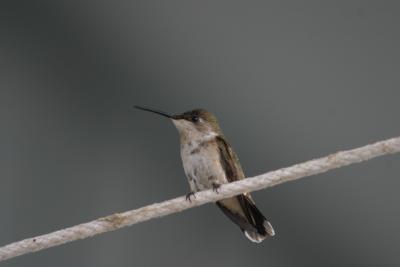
(119, 220)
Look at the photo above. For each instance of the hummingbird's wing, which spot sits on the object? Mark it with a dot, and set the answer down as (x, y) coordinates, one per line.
(229, 160)
(241, 209)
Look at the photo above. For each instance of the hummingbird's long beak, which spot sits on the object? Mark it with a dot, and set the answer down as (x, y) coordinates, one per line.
(162, 113)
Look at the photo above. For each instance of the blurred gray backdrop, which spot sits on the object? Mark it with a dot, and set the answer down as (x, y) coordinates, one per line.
(289, 81)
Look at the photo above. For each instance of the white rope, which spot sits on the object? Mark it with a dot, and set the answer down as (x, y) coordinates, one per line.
(262, 181)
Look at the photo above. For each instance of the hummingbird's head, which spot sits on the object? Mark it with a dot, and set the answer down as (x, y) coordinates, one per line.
(196, 123)
(193, 124)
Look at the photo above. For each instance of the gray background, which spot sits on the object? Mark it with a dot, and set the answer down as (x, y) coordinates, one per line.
(289, 81)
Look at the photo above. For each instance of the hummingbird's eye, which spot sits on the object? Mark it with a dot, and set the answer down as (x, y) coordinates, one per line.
(195, 118)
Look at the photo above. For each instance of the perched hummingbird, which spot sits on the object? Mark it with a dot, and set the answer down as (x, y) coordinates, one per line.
(209, 161)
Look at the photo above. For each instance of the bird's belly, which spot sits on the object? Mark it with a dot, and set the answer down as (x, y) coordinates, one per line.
(203, 169)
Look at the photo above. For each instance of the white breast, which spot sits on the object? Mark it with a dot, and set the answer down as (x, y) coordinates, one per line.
(202, 164)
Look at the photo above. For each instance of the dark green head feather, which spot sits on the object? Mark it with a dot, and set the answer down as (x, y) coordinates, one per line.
(201, 118)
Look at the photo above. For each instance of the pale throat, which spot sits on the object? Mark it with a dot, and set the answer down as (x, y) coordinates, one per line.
(195, 138)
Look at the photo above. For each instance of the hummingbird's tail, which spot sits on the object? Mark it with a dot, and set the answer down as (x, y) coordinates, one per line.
(243, 212)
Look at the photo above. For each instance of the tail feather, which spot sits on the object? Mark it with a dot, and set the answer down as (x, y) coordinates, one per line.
(258, 237)
(243, 212)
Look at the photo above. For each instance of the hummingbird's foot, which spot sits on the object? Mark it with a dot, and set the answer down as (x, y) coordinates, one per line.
(189, 195)
(215, 187)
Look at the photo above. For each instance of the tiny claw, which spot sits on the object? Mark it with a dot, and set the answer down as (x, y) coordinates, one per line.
(189, 195)
(215, 187)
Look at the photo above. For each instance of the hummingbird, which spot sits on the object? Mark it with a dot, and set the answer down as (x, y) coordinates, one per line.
(209, 161)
